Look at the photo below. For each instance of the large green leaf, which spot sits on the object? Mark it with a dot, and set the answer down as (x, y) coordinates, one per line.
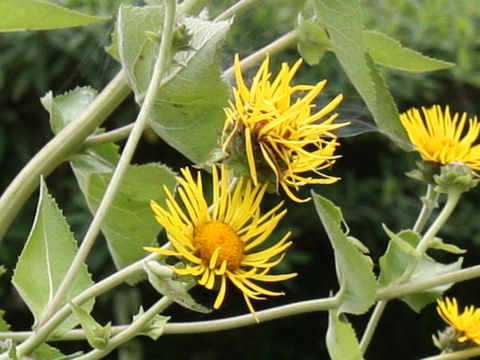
(342, 342)
(353, 268)
(188, 113)
(389, 52)
(344, 24)
(130, 223)
(19, 15)
(45, 259)
(400, 253)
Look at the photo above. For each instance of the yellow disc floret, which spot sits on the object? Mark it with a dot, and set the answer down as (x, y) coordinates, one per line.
(217, 242)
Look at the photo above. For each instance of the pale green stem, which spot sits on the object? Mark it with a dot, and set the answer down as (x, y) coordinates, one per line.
(123, 163)
(388, 293)
(41, 334)
(236, 9)
(422, 246)
(131, 331)
(110, 136)
(399, 290)
(457, 355)
(372, 325)
(66, 142)
(452, 200)
(429, 203)
(278, 45)
(192, 7)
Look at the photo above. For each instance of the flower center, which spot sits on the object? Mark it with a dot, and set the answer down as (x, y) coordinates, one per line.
(436, 145)
(215, 235)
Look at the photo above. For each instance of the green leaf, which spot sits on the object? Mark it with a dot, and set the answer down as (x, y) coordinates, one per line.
(400, 253)
(313, 41)
(130, 224)
(4, 326)
(155, 328)
(97, 335)
(48, 352)
(45, 259)
(21, 15)
(176, 290)
(390, 53)
(188, 113)
(63, 109)
(342, 342)
(353, 268)
(438, 244)
(344, 24)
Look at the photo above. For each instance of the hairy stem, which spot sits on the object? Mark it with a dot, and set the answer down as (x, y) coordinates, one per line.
(66, 142)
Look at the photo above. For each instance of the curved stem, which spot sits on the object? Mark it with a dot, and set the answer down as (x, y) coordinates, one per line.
(41, 334)
(192, 7)
(130, 331)
(429, 203)
(110, 136)
(65, 143)
(278, 45)
(236, 9)
(391, 292)
(452, 200)
(124, 161)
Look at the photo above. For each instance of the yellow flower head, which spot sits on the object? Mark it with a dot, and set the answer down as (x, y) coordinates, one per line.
(441, 138)
(466, 324)
(221, 242)
(275, 129)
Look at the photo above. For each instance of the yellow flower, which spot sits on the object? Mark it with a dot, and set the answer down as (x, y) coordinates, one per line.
(441, 138)
(221, 242)
(275, 129)
(467, 324)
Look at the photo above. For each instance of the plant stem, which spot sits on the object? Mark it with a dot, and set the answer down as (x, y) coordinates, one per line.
(399, 290)
(192, 7)
(236, 9)
(429, 203)
(278, 45)
(41, 334)
(65, 143)
(110, 136)
(421, 248)
(457, 355)
(391, 292)
(123, 163)
(372, 325)
(133, 329)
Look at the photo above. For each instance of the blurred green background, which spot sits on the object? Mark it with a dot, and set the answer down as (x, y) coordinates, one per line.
(373, 189)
